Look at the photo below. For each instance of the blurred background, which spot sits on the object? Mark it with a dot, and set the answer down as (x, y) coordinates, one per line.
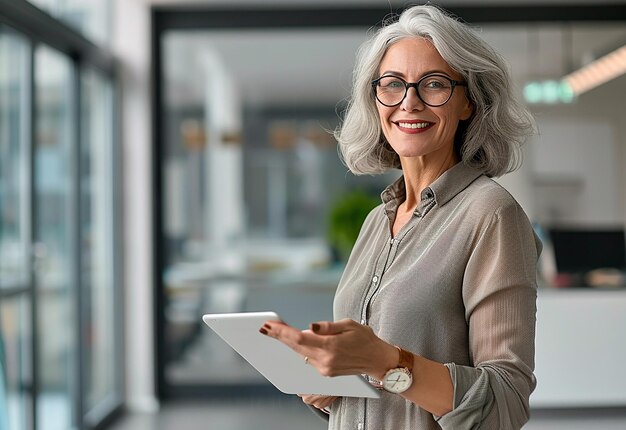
(162, 159)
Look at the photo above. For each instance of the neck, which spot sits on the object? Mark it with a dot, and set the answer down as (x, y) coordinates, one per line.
(419, 173)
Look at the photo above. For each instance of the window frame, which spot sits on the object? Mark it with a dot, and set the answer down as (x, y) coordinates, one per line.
(39, 28)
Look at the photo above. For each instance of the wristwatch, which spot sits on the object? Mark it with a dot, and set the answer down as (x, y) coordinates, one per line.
(399, 379)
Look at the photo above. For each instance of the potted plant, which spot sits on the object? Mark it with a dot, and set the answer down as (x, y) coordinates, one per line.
(345, 218)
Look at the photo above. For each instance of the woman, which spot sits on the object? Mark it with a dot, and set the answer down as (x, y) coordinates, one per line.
(437, 302)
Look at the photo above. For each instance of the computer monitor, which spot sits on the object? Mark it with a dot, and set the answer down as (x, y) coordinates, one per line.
(578, 250)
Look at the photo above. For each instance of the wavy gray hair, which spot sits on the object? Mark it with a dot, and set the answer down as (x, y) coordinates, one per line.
(489, 141)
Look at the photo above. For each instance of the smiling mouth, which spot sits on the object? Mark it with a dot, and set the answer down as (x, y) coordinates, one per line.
(413, 125)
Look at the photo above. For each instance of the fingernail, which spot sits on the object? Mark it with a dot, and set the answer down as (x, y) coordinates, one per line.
(315, 327)
(262, 331)
(267, 327)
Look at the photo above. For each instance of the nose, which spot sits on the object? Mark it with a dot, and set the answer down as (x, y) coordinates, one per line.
(412, 101)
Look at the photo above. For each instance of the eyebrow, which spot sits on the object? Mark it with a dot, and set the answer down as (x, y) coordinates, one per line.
(402, 75)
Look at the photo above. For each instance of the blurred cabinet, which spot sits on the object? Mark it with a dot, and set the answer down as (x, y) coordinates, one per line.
(580, 348)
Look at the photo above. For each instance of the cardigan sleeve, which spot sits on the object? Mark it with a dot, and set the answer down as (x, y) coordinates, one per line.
(499, 295)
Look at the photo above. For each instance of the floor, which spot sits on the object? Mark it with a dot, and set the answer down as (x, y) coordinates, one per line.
(290, 414)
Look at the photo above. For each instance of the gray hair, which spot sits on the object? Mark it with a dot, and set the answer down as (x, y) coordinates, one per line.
(489, 141)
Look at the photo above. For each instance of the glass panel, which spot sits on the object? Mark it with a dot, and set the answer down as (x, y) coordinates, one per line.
(97, 239)
(15, 361)
(54, 220)
(90, 17)
(14, 78)
(250, 175)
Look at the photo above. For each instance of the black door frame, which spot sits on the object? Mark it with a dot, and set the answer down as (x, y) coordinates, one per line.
(170, 17)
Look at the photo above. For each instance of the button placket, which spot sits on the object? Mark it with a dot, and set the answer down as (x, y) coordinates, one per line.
(375, 281)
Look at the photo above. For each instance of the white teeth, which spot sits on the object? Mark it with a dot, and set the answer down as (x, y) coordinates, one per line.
(413, 124)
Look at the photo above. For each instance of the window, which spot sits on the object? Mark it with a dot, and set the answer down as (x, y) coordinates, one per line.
(14, 78)
(54, 213)
(59, 341)
(15, 308)
(96, 238)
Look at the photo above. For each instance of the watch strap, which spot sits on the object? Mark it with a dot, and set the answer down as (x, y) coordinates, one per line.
(406, 358)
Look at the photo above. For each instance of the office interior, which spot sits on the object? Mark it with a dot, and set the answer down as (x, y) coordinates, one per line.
(162, 159)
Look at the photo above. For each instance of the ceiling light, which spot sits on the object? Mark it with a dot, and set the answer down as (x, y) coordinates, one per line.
(597, 72)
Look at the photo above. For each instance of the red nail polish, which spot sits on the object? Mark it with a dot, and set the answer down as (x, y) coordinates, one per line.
(263, 331)
(315, 327)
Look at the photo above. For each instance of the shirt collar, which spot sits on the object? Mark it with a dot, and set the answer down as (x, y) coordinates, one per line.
(453, 181)
(445, 187)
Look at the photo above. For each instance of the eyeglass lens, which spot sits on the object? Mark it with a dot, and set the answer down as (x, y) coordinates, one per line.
(433, 90)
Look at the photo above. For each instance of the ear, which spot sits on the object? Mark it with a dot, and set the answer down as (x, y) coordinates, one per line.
(468, 109)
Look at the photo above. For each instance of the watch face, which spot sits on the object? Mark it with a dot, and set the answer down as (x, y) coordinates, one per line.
(397, 380)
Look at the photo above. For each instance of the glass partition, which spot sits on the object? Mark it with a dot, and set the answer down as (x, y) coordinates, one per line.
(251, 175)
(250, 178)
(96, 230)
(15, 359)
(54, 218)
(16, 355)
(59, 337)
(14, 79)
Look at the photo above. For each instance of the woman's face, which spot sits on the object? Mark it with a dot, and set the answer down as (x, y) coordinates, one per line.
(433, 136)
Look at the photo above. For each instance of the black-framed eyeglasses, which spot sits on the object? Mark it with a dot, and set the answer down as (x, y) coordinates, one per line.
(434, 90)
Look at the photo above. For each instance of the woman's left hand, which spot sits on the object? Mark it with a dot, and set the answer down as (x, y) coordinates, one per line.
(320, 402)
(337, 348)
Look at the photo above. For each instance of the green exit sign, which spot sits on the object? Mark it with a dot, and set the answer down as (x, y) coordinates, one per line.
(548, 92)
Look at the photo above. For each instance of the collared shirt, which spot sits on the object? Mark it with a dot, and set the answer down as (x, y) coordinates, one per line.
(457, 285)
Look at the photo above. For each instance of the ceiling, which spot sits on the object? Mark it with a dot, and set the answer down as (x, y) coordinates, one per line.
(314, 67)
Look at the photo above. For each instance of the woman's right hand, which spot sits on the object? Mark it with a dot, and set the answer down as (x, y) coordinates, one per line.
(320, 402)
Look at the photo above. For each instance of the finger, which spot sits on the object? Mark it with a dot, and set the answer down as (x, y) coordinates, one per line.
(330, 328)
(311, 397)
(317, 400)
(298, 340)
(325, 402)
(308, 398)
(266, 327)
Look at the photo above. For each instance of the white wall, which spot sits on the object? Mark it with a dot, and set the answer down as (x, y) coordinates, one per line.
(578, 158)
(575, 179)
(520, 182)
(573, 171)
(131, 45)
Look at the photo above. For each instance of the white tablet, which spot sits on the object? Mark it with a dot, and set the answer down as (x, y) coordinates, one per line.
(280, 365)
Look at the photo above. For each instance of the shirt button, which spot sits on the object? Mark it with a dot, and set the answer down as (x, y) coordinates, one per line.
(363, 322)
(375, 279)
(361, 426)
